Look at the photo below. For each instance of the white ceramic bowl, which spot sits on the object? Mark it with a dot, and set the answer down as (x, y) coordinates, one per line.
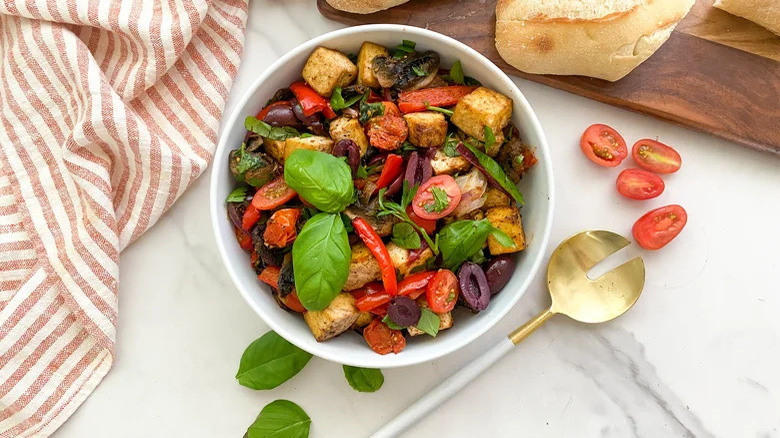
(350, 348)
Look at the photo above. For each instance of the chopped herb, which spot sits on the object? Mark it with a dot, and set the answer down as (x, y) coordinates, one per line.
(472, 81)
(440, 201)
(246, 161)
(406, 47)
(369, 110)
(306, 135)
(419, 71)
(391, 324)
(263, 129)
(405, 236)
(519, 159)
(399, 211)
(409, 43)
(451, 297)
(490, 139)
(337, 101)
(407, 147)
(237, 195)
(456, 73)
(450, 148)
(361, 173)
(478, 257)
(436, 108)
(429, 322)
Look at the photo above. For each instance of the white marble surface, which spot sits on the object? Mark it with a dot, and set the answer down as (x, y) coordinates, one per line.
(697, 356)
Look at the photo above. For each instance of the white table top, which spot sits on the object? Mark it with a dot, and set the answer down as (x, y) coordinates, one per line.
(697, 356)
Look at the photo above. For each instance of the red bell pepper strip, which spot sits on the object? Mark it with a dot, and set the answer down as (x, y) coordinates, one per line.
(250, 218)
(380, 311)
(244, 240)
(374, 287)
(414, 101)
(264, 112)
(270, 276)
(390, 170)
(377, 248)
(414, 285)
(310, 101)
(372, 301)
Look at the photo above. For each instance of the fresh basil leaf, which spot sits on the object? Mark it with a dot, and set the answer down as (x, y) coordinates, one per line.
(263, 129)
(408, 147)
(429, 322)
(444, 111)
(306, 135)
(280, 419)
(419, 71)
(456, 73)
(490, 139)
(409, 43)
(450, 148)
(364, 379)
(321, 256)
(471, 81)
(407, 195)
(237, 195)
(347, 223)
(270, 361)
(361, 173)
(502, 238)
(337, 101)
(440, 201)
(391, 324)
(369, 110)
(405, 236)
(460, 240)
(246, 161)
(321, 179)
(496, 172)
(478, 257)
(404, 48)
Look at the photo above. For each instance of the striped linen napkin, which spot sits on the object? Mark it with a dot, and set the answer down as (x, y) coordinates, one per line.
(109, 109)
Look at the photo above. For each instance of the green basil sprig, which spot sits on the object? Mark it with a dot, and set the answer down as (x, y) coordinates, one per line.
(429, 322)
(460, 240)
(270, 361)
(321, 256)
(280, 419)
(405, 236)
(364, 379)
(321, 179)
(263, 129)
(237, 195)
(496, 172)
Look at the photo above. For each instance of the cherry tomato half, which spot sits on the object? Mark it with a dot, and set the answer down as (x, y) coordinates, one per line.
(270, 276)
(658, 227)
(273, 194)
(442, 292)
(389, 130)
(429, 225)
(382, 339)
(639, 184)
(603, 145)
(280, 229)
(655, 156)
(244, 239)
(437, 197)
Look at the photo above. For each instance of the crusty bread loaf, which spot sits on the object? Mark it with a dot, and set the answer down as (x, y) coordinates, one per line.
(364, 6)
(600, 38)
(763, 12)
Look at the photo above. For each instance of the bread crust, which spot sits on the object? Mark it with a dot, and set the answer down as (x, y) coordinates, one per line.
(765, 13)
(607, 47)
(364, 6)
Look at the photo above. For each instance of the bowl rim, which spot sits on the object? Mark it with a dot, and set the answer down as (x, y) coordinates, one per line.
(398, 360)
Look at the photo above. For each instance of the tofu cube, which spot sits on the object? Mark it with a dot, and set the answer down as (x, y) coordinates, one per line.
(274, 148)
(335, 319)
(363, 320)
(483, 107)
(496, 198)
(400, 258)
(327, 69)
(445, 319)
(508, 220)
(363, 268)
(442, 164)
(348, 128)
(369, 51)
(313, 143)
(426, 129)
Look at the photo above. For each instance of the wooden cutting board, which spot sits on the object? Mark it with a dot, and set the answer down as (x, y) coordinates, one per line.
(718, 73)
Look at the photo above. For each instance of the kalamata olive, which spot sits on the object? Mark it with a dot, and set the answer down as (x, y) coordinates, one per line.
(348, 148)
(418, 169)
(314, 122)
(499, 271)
(282, 114)
(474, 287)
(395, 186)
(235, 212)
(404, 311)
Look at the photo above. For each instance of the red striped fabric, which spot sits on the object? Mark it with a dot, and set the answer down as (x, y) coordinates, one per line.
(109, 109)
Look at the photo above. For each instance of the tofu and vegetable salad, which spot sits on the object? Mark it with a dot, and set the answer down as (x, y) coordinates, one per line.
(378, 193)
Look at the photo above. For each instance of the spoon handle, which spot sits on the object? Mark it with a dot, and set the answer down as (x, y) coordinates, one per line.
(441, 393)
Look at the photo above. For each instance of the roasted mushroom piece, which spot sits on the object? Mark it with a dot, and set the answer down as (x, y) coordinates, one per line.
(406, 74)
(254, 168)
(516, 156)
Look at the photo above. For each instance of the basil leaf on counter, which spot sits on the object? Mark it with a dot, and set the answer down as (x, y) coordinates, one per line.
(321, 256)
(429, 322)
(237, 195)
(460, 240)
(364, 379)
(496, 172)
(263, 129)
(270, 361)
(502, 238)
(405, 236)
(321, 179)
(280, 419)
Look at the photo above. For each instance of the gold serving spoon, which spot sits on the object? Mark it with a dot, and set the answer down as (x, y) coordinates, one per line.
(573, 294)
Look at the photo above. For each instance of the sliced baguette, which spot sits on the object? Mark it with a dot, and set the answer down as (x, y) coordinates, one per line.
(364, 6)
(765, 13)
